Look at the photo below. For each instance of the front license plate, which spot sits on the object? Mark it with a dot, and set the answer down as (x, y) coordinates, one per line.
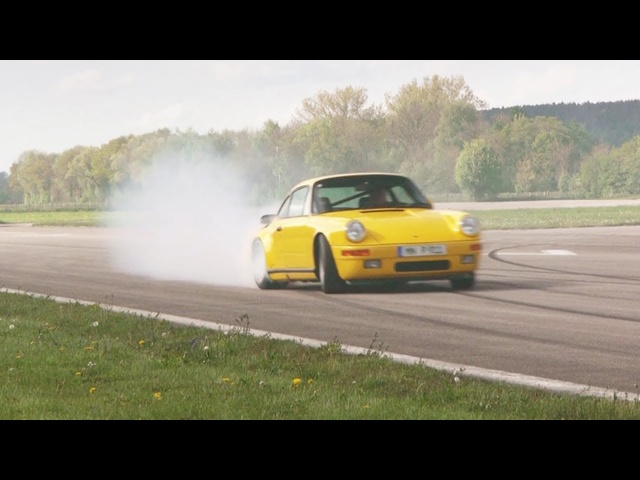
(421, 250)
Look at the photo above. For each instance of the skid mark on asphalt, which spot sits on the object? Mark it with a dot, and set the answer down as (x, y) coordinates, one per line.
(541, 252)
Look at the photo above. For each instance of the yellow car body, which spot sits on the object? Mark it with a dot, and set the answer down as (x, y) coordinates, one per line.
(330, 230)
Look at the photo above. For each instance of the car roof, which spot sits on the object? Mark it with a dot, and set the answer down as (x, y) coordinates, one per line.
(311, 181)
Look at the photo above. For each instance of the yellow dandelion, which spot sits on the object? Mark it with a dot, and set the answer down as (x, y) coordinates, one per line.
(157, 395)
(141, 342)
(296, 381)
(78, 374)
(92, 390)
(310, 381)
(225, 379)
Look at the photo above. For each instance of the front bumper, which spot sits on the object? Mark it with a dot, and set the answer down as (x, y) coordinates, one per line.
(382, 262)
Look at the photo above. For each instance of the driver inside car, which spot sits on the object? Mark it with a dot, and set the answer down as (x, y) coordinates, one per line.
(378, 197)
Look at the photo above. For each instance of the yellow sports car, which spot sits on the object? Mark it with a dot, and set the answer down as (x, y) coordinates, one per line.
(361, 227)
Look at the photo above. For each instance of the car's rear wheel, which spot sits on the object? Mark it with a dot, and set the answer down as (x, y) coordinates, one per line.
(327, 271)
(464, 281)
(259, 267)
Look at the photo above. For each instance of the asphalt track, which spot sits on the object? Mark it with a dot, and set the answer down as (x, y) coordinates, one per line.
(554, 309)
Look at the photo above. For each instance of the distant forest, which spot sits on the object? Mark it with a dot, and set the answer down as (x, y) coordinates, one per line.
(436, 131)
(612, 123)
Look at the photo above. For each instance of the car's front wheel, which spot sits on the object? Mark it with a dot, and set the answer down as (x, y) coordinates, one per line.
(463, 281)
(259, 267)
(327, 271)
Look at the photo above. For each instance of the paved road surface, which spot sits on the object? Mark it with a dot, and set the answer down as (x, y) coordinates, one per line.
(553, 307)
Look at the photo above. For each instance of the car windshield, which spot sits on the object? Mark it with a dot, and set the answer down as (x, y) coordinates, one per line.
(370, 191)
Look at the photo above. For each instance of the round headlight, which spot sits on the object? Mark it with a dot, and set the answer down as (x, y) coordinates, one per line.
(355, 231)
(470, 225)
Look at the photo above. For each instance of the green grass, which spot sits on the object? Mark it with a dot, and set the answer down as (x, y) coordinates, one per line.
(490, 219)
(61, 218)
(76, 361)
(559, 217)
(73, 361)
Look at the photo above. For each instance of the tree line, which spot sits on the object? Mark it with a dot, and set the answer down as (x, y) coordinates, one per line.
(437, 131)
(611, 123)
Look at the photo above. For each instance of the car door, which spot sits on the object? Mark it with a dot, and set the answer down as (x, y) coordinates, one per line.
(295, 236)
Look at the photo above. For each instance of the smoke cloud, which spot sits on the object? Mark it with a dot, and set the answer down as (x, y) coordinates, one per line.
(188, 221)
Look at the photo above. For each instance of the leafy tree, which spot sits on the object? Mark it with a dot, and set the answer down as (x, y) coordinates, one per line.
(65, 187)
(222, 142)
(34, 176)
(135, 156)
(460, 122)
(594, 171)
(612, 173)
(539, 153)
(189, 147)
(282, 162)
(344, 103)
(15, 189)
(609, 123)
(629, 154)
(478, 170)
(419, 119)
(4, 187)
(339, 132)
(93, 171)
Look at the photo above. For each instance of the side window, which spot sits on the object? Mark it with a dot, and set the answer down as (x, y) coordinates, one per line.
(401, 195)
(284, 208)
(298, 202)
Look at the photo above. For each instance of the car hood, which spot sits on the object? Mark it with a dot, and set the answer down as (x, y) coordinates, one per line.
(412, 225)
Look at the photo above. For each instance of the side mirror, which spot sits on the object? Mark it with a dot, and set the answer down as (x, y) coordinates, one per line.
(267, 219)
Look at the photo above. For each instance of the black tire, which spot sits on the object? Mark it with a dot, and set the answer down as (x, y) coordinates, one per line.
(259, 268)
(330, 281)
(464, 281)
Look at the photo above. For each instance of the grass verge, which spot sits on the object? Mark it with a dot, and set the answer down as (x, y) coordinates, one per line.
(490, 219)
(72, 361)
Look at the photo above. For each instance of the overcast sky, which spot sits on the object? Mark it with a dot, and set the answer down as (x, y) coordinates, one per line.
(54, 105)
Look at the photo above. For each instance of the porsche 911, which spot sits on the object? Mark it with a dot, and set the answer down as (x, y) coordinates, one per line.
(346, 229)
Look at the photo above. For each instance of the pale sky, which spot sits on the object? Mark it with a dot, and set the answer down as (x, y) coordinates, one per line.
(54, 105)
